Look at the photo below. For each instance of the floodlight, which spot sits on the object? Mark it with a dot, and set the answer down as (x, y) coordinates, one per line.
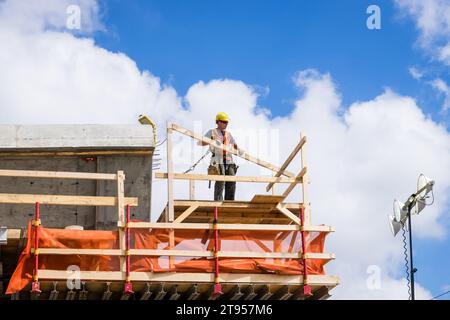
(424, 187)
(395, 225)
(400, 211)
(402, 214)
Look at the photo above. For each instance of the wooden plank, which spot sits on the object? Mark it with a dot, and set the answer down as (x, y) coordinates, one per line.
(287, 161)
(231, 204)
(269, 199)
(206, 177)
(183, 277)
(170, 213)
(185, 214)
(191, 189)
(121, 152)
(84, 252)
(243, 155)
(294, 184)
(121, 217)
(288, 214)
(230, 254)
(221, 226)
(305, 189)
(64, 200)
(185, 253)
(57, 175)
(120, 196)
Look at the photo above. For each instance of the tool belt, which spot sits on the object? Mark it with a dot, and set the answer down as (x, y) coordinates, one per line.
(213, 169)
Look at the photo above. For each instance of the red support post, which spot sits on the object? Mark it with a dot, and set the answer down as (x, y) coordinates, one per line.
(35, 286)
(217, 286)
(128, 285)
(306, 286)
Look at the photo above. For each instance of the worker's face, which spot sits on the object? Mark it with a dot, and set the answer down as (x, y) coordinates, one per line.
(222, 124)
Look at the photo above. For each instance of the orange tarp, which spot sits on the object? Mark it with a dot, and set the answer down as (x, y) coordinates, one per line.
(230, 240)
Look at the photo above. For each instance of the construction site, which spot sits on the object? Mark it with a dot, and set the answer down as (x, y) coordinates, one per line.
(76, 222)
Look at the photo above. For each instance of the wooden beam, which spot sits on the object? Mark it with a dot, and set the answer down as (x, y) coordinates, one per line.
(184, 253)
(287, 162)
(206, 177)
(294, 184)
(85, 252)
(21, 154)
(191, 189)
(305, 189)
(222, 226)
(120, 196)
(185, 277)
(243, 155)
(64, 200)
(57, 175)
(170, 213)
(232, 204)
(287, 213)
(185, 214)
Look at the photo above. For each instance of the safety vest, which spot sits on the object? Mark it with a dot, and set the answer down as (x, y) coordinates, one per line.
(219, 156)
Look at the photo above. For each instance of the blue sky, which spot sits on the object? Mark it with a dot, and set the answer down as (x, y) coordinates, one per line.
(264, 43)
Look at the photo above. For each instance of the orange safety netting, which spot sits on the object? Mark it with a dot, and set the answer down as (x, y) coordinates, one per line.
(198, 240)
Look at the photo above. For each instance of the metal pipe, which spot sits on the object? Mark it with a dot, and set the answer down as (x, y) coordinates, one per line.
(412, 271)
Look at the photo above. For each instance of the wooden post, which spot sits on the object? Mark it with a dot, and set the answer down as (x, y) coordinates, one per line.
(120, 196)
(191, 189)
(170, 210)
(305, 187)
(121, 216)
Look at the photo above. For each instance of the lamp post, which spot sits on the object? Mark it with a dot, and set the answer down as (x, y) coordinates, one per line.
(402, 212)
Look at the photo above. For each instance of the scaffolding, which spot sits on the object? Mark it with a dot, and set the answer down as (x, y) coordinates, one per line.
(194, 251)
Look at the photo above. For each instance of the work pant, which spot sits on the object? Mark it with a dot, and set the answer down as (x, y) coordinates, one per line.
(230, 187)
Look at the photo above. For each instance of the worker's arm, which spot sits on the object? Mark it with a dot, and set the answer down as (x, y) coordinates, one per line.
(202, 143)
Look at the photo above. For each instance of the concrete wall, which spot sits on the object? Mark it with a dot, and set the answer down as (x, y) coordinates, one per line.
(35, 139)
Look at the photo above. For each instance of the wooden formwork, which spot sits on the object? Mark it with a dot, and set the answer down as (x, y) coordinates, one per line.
(263, 212)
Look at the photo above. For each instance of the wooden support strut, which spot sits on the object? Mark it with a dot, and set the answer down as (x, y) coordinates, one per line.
(286, 163)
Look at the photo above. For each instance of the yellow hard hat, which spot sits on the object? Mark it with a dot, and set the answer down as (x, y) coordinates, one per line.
(222, 116)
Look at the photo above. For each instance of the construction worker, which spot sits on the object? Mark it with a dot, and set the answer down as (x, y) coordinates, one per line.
(222, 161)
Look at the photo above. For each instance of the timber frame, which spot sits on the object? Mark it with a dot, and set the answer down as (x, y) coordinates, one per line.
(263, 212)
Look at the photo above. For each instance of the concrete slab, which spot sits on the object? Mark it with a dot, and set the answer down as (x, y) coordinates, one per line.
(13, 137)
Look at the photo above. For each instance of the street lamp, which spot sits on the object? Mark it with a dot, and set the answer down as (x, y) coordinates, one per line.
(402, 214)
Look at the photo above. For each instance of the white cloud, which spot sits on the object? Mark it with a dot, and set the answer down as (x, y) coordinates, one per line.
(432, 19)
(359, 157)
(415, 73)
(30, 16)
(444, 89)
